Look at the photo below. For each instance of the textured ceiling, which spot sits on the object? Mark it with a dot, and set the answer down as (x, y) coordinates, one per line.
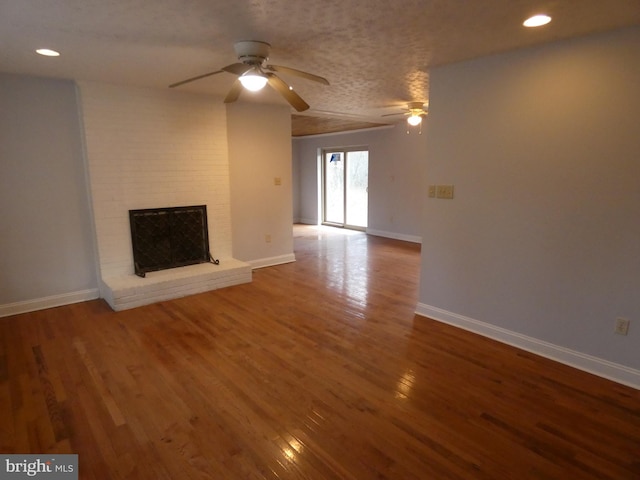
(302, 125)
(375, 53)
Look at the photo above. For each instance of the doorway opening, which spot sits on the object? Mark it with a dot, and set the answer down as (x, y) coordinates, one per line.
(345, 195)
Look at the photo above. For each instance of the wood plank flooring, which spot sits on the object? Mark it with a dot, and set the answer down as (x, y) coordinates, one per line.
(318, 369)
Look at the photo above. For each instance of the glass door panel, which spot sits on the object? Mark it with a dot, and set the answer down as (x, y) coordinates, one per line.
(357, 181)
(334, 187)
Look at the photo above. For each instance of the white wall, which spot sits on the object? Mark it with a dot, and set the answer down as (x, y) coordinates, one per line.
(260, 151)
(396, 174)
(150, 148)
(46, 246)
(543, 236)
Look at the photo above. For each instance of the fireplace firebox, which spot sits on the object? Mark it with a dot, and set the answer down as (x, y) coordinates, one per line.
(171, 237)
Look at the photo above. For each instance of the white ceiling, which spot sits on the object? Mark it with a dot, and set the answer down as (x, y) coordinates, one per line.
(375, 53)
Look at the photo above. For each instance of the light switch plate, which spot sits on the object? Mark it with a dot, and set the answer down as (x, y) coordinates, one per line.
(444, 191)
(622, 326)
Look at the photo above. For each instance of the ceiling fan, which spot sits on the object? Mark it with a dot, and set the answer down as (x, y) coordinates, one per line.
(415, 112)
(254, 73)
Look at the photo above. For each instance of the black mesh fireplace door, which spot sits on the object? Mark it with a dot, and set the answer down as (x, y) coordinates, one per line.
(169, 237)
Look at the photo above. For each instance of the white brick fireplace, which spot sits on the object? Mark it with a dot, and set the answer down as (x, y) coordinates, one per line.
(150, 148)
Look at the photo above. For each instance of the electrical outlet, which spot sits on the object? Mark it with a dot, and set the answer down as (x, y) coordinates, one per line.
(622, 326)
(432, 191)
(277, 181)
(267, 238)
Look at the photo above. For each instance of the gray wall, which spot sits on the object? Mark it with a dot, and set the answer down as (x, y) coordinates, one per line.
(543, 236)
(46, 240)
(259, 152)
(396, 176)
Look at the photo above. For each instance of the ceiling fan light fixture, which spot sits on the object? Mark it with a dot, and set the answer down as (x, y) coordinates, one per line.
(253, 80)
(537, 20)
(414, 120)
(253, 73)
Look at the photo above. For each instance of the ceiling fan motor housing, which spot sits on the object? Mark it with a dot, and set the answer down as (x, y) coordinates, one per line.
(252, 52)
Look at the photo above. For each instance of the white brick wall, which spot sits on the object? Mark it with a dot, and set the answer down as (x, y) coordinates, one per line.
(148, 149)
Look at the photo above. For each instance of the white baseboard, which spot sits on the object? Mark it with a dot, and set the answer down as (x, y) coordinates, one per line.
(271, 261)
(48, 302)
(308, 221)
(396, 236)
(597, 366)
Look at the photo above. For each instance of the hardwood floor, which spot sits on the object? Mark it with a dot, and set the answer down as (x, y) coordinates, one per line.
(318, 369)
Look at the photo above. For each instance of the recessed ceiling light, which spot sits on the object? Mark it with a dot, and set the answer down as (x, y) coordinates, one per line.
(537, 21)
(48, 52)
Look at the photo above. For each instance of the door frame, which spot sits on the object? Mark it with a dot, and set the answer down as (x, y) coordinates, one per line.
(344, 151)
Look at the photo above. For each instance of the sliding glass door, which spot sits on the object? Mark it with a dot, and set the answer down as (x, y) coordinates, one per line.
(345, 192)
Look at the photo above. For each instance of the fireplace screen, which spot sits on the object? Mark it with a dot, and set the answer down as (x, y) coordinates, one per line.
(169, 237)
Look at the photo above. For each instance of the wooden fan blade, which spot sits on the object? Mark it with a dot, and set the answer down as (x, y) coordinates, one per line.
(298, 73)
(237, 68)
(193, 79)
(234, 93)
(392, 114)
(292, 97)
